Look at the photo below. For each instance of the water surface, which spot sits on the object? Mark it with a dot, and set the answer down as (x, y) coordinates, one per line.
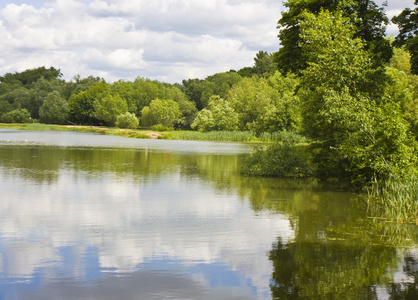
(87, 216)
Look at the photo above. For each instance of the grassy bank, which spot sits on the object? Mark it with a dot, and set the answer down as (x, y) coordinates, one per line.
(226, 136)
(222, 136)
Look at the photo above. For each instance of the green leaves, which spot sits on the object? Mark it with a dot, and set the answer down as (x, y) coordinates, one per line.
(367, 20)
(164, 112)
(54, 110)
(219, 115)
(108, 108)
(344, 108)
(127, 120)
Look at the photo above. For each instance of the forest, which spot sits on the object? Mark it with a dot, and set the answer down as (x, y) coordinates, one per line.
(342, 96)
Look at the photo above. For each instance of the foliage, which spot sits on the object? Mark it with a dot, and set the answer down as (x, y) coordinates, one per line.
(127, 120)
(264, 66)
(287, 104)
(278, 160)
(5, 107)
(108, 108)
(403, 87)
(19, 96)
(200, 91)
(160, 127)
(252, 98)
(368, 19)
(30, 76)
(164, 112)
(82, 104)
(18, 115)
(373, 138)
(407, 22)
(341, 105)
(265, 105)
(78, 85)
(141, 92)
(54, 109)
(219, 115)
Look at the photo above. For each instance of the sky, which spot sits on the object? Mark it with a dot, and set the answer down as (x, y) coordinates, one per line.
(165, 40)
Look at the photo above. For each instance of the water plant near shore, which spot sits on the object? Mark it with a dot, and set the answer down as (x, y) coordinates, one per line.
(394, 199)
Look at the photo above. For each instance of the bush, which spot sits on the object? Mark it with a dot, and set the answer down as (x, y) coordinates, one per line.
(160, 127)
(165, 112)
(127, 120)
(278, 160)
(19, 115)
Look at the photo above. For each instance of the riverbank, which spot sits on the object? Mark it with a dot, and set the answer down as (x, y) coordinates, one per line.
(225, 136)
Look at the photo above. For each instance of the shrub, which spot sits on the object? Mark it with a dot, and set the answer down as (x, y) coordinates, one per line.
(127, 120)
(160, 127)
(19, 115)
(278, 160)
(165, 112)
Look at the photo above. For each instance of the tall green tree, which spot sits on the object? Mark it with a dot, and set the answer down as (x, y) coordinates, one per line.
(407, 22)
(368, 19)
(360, 129)
(54, 109)
(199, 91)
(108, 108)
(82, 104)
(30, 76)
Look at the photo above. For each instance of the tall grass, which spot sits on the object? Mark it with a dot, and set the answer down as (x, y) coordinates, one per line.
(226, 136)
(284, 136)
(394, 199)
(238, 136)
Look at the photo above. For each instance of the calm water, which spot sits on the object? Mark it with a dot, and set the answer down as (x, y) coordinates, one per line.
(86, 216)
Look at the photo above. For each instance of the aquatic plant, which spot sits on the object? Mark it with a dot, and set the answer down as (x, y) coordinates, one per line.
(394, 199)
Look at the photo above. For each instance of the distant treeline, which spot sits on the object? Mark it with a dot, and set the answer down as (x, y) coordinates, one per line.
(41, 95)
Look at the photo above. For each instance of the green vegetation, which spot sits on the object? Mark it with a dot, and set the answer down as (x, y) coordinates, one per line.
(369, 22)
(18, 115)
(54, 109)
(394, 198)
(127, 120)
(225, 136)
(407, 22)
(163, 112)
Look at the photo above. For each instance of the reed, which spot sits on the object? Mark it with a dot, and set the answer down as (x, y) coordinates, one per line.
(284, 136)
(225, 136)
(394, 199)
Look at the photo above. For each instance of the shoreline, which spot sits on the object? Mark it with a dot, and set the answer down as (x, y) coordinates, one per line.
(244, 137)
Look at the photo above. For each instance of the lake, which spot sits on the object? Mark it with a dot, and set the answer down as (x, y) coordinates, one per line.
(89, 216)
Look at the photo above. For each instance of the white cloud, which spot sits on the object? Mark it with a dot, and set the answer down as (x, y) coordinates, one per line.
(167, 40)
(164, 39)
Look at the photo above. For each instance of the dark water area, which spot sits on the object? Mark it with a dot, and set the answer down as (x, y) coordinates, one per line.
(88, 216)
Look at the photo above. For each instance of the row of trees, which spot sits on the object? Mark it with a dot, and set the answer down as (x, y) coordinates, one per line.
(41, 94)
